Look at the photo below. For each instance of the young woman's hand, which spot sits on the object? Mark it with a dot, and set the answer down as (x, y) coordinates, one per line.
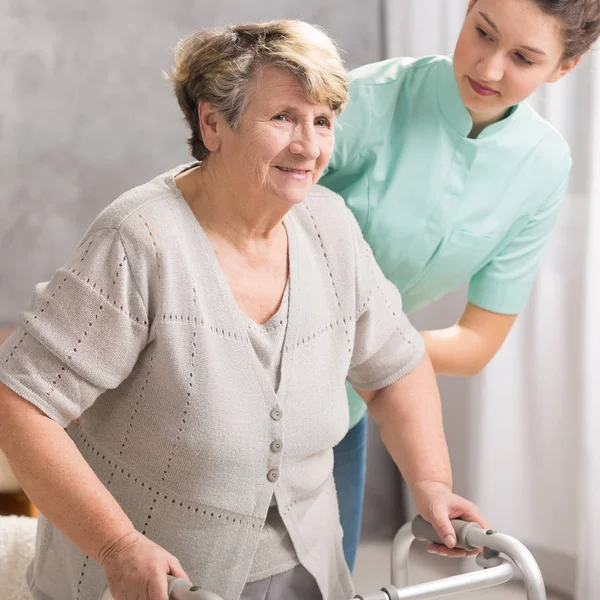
(438, 505)
(136, 567)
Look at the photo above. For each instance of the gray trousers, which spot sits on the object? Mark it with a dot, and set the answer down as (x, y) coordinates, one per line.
(295, 584)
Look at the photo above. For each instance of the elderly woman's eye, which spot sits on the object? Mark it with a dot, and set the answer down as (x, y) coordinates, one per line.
(323, 122)
(280, 117)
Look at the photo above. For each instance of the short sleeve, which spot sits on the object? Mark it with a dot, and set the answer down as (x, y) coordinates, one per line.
(83, 333)
(504, 284)
(386, 346)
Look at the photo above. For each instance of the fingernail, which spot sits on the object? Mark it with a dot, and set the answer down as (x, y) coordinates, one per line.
(449, 540)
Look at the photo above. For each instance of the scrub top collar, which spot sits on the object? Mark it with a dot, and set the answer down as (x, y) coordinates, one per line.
(455, 112)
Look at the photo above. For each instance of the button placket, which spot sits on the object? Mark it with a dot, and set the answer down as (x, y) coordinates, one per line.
(276, 446)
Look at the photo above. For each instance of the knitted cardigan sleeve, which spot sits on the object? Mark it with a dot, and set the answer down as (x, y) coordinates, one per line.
(83, 333)
(386, 346)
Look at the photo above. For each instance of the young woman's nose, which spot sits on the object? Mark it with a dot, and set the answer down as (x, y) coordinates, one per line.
(490, 68)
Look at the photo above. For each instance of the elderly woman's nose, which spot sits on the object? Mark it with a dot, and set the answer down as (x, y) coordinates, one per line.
(305, 142)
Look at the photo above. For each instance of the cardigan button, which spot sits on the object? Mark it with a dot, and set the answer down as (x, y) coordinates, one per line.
(276, 446)
(276, 414)
(273, 475)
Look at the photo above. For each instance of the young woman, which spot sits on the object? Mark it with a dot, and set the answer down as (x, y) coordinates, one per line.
(453, 177)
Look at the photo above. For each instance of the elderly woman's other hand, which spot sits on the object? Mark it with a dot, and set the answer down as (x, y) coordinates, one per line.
(136, 567)
(438, 505)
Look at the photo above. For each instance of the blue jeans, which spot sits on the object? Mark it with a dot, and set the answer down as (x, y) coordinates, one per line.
(349, 469)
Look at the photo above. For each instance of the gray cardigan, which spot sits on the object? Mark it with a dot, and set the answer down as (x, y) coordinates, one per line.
(140, 338)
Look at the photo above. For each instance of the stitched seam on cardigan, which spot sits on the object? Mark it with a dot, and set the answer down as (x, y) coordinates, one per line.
(393, 312)
(18, 345)
(183, 418)
(125, 259)
(308, 339)
(394, 377)
(366, 303)
(35, 316)
(82, 576)
(122, 468)
(55, 381)
(82, 259)
(168, 195)
(57, 378)
(31, 396)
(93, 285)
(133, 277)
(133, 414)
(174, 319)
(337, 298)
(315, 492)
(188, 396)
(147, 226)
(371, 278)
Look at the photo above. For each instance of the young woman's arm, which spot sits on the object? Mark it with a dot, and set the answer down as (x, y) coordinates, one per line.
(468, 346)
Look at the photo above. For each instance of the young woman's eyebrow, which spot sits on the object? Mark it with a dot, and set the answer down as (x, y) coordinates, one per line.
(491, 23)
(535, 50)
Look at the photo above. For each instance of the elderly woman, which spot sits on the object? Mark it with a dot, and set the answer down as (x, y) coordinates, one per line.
(195, 348)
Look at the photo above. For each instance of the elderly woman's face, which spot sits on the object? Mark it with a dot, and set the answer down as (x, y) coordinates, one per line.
(283, 142)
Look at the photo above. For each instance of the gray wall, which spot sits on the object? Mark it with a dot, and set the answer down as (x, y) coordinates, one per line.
(85, 113)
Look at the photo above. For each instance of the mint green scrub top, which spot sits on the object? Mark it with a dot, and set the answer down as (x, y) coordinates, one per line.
(436, 207)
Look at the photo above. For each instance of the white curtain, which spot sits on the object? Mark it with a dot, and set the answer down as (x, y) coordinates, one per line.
(523, 434)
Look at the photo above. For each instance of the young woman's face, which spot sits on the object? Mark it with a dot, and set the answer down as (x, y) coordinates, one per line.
(505, 51)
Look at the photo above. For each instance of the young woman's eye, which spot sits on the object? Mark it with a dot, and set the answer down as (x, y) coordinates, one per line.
(523, 59)
(482, 34)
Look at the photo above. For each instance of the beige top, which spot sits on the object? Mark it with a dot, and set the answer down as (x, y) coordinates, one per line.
(139, 337)
(275, 552)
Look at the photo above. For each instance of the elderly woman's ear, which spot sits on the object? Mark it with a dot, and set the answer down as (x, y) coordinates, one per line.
(210, 122)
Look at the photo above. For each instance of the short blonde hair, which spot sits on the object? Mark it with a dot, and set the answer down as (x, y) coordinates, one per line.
(217, 66)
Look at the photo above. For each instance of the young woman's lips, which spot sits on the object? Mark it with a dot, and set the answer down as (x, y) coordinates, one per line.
(481, 89)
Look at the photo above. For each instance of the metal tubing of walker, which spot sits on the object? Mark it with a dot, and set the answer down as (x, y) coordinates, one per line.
(478, 538)
(467, 582)
(518, 553)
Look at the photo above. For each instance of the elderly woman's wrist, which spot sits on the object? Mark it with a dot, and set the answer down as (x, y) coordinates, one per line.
(112, 548)
(428, 486)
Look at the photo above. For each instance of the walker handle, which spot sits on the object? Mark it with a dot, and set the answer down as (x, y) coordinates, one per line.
(424, 532)
(179, 589)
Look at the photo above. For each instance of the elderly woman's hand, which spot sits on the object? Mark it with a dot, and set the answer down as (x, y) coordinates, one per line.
(438, 505)
(136, 567)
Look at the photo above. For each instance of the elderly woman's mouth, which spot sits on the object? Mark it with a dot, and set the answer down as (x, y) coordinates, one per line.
(295, 173)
